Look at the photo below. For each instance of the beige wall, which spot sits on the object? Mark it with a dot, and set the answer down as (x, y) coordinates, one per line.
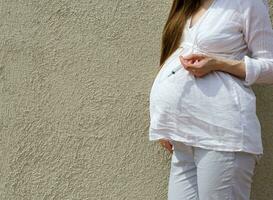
(75, 78)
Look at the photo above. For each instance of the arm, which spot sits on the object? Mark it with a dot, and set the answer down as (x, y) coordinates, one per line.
(258, 34)
(257, 66)
(234, 67)
(206, 63)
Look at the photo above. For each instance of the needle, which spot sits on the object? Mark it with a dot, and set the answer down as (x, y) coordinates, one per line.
(175, 70)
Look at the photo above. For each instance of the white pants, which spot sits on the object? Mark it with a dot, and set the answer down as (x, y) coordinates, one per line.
(202, 174)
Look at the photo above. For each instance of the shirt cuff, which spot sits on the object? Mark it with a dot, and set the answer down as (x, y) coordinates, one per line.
(252, 69)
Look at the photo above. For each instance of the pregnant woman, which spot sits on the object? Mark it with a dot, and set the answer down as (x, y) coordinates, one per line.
(202, 106)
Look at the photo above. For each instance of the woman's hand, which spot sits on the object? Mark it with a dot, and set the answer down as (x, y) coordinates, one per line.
(198, 64)
(166, 144)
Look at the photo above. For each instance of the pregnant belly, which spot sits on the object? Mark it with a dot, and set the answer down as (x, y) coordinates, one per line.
(211, 98)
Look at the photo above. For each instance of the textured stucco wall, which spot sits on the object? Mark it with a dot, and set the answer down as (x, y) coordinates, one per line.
(74, 87)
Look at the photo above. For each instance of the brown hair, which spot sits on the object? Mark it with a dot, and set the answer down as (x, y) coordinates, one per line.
(180, 11)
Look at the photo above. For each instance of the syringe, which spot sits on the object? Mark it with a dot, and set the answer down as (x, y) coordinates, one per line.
(175, 70)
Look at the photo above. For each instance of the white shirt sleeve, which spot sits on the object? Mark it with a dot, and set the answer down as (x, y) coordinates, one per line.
(258, 34)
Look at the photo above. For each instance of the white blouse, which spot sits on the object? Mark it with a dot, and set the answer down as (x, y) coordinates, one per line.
(216, 111)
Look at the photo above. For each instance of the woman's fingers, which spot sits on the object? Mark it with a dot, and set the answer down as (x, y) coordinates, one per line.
(193, 57)
(188, 63)
(166, 144)
(195, 64)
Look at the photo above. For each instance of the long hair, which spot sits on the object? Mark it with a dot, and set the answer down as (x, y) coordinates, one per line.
(180, 11)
